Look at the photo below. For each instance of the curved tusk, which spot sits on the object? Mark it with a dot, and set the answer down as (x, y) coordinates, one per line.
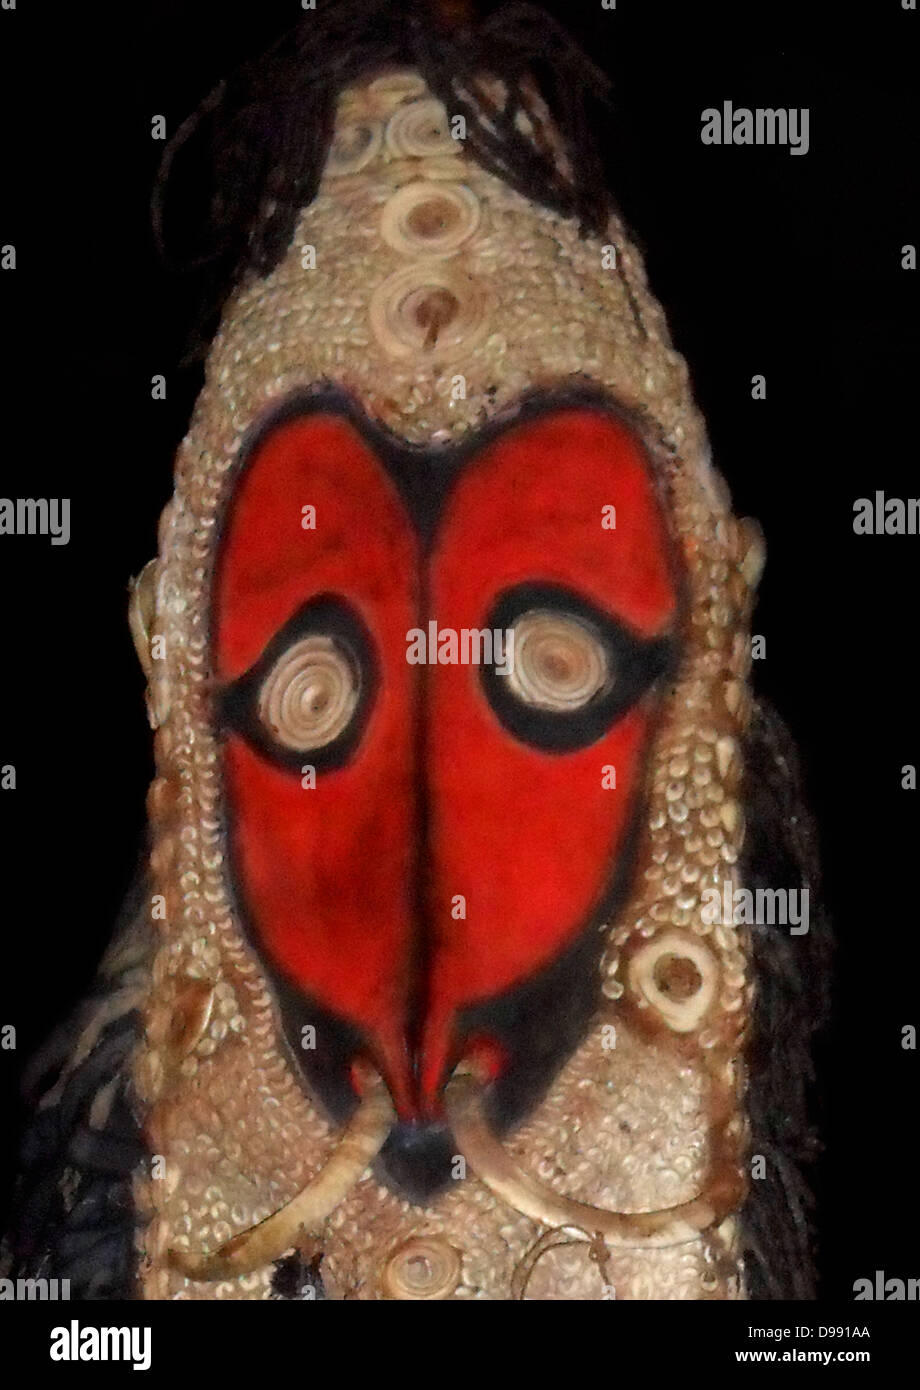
(362, 1140)
(493, 1166)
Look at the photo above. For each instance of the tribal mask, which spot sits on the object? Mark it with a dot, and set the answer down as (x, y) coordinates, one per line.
(447, 648)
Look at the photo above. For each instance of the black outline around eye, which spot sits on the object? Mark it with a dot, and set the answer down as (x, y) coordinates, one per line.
(238, 705)
(637, 664)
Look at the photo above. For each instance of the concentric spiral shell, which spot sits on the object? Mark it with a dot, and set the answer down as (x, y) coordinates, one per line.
(420, 129)
(421, 220)
(429, 306)
(559, 663)
(422, 1268)
(310, 695)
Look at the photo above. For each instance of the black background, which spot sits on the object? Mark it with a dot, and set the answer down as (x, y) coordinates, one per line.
(764, 261)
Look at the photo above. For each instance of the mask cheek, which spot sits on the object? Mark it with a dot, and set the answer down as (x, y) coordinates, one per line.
(528, 850)
(322, 879)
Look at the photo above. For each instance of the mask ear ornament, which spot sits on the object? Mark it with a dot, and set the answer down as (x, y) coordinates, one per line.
(677, 978)
(142, 610)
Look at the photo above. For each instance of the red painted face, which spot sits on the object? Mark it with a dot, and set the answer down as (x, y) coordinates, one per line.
(462, 826)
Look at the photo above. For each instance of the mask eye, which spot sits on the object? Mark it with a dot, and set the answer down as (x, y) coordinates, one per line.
(572, 670)
(559, 662)
(310, 695)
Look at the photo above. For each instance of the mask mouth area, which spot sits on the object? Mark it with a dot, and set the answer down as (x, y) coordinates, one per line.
(516, 1042)
(371, 1129)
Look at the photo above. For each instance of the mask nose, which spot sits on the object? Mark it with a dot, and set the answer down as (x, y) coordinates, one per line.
(421, 1155)
(420, 1159)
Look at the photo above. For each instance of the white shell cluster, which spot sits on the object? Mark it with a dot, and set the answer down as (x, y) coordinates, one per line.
(423, 308)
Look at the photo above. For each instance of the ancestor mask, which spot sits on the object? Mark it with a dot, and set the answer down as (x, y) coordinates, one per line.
(447, 644)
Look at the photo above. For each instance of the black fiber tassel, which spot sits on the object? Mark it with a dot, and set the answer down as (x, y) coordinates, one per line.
(242, 167)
